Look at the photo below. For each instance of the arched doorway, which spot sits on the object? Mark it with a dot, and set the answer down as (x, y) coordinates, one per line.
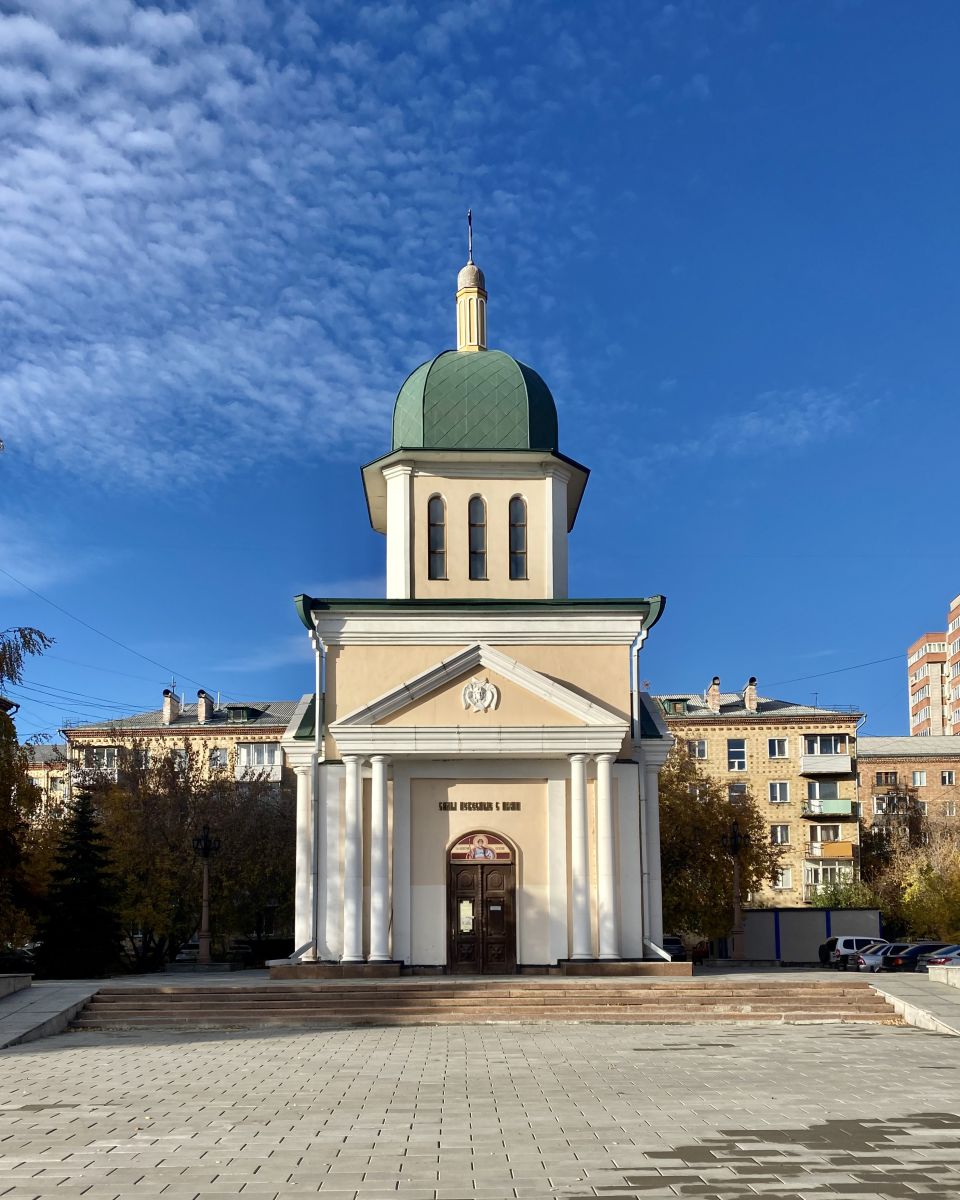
(481, 906)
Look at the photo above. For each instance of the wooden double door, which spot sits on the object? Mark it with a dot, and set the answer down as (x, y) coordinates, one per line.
(481, 918)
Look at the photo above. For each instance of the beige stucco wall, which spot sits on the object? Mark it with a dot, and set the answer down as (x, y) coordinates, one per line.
(431, 833)
(497, 493)
(358, 674)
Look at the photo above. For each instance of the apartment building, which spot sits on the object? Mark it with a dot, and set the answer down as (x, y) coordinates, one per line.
(933, 679)
(49, 770)
(243, 739)
(897, 775)
(797, 761)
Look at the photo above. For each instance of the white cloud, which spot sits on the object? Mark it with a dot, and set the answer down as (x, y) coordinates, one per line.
(786, 421)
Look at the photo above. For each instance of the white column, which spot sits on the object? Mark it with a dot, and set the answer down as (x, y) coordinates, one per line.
(402, 942)
(379, 865)
(303, 898)
(651, 851)
(353, 862)
(400, 516)
(579, 858)
(609, 942)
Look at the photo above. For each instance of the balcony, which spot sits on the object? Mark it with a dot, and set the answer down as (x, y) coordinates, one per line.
(830, 850)
(268, 772)
(85, 777)
(827, 808)
(810, 889)
(826, 764)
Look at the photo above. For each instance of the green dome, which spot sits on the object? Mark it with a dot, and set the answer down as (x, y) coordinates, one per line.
(474, 400)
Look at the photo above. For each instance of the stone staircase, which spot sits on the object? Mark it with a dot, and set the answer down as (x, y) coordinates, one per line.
(472, 1001)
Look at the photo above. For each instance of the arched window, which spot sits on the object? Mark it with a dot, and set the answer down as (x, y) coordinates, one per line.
(518, 538)
(477, 516)
(436, 538)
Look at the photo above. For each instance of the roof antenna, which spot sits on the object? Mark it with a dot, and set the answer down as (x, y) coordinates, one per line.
(469, 235)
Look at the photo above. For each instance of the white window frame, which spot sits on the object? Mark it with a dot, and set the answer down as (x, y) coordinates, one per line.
(773, 747)
(775, 835)
(948, 778)
(784, 880)
(774, 788)
(736, 764)
(268, 753)
(919, 779)
(697, 748)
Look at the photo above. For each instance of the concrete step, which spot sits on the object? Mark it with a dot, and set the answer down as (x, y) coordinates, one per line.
(447, 1002)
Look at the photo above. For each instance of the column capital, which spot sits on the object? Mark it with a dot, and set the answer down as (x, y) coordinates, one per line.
(379, 758)
(304, 770)
(350, 759)
(578, 758)
(606, 758)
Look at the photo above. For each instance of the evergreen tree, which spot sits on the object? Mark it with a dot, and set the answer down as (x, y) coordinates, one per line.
(81, 933)
(18, 796)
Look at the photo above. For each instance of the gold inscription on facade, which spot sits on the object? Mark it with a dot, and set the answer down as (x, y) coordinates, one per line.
(479, 806)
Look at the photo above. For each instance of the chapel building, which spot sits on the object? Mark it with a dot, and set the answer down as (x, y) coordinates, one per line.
(477, 767)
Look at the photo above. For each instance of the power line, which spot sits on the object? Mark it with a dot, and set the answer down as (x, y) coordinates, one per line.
(836, 671)
(93, 667)
(93, 629)
(65, 692)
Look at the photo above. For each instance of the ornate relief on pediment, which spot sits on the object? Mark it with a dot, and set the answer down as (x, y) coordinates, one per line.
(480, 696)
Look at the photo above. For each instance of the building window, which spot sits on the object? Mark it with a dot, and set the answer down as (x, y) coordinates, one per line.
(477, 517)
(777, 747)
(518, 538)
(784, 879)
(218, 758)
(259, 754)
(886, 778)
(779, 791)
(736, 754)
(823, 789)
(856, 809)
(436, 538)
(919, 779)
(827, 743)
(950, 808)
(922, 807)
(825, 833)
(947, 778)
(102, 758)
(736, 792)
(697, 749)
(780, 835)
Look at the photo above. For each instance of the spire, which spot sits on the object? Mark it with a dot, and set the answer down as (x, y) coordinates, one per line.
(471, 300)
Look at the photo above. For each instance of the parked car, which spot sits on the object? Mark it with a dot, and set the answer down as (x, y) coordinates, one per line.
(944, 957)
(188, 952)
(846, 948)
(675, 948)
(871, 958)
(906, 960)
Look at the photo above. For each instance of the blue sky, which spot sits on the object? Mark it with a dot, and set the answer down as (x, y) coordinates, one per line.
(725, 233)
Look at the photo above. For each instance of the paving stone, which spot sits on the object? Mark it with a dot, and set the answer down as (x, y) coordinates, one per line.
(488, 1112)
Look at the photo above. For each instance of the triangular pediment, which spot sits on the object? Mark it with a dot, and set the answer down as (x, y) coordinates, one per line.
(480, 686)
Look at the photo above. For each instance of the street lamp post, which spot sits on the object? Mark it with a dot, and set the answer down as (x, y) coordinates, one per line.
(205, 847)
(733, 842)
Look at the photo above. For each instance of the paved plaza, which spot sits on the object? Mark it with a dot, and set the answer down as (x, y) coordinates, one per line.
(615, 1111)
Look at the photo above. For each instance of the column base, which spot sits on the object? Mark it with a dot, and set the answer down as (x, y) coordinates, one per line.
(378, 958)
(329, 970)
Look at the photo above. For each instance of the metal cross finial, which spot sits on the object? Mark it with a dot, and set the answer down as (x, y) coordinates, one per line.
(469, 235)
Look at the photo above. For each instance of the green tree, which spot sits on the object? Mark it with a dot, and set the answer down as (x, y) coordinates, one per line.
(19, 798)
(151, 815)
(81, 933)
(847, 893)
(695, 813)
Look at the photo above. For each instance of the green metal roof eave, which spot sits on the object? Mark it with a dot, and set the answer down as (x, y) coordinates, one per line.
(650, 607)
(304, 605)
